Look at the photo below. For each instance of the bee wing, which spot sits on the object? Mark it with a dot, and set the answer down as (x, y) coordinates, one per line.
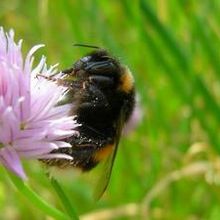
(105, 175)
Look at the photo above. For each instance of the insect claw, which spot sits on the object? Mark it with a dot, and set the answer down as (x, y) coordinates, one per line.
(50, 78)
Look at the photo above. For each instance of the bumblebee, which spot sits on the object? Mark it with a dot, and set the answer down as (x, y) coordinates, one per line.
(103, 93)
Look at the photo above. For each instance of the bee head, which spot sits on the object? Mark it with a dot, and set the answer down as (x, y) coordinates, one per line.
(98, 62)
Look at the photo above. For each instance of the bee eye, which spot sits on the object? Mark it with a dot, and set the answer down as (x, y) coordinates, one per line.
(82, 63)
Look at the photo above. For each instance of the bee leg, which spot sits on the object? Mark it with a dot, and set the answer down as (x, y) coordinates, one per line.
(95, 98)
(83, 156)
(93, 105)
(102, 81)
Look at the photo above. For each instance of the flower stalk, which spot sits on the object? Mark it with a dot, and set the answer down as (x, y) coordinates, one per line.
(36, 200)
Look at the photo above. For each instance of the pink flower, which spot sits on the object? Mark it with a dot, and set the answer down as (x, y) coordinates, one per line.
(31, 124)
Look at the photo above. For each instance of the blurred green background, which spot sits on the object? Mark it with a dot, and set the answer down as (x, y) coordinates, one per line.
(169, 167)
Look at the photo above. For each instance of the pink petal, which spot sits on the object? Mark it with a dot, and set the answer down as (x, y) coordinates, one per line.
(33, 153)
(10, 159)
(56, 155)
(62, 144)
(25, 145)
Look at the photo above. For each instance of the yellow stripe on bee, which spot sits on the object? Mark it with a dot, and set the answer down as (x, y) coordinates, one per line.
(103, 152)
(126, 81)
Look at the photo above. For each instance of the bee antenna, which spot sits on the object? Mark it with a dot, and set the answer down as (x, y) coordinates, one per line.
(86, 45)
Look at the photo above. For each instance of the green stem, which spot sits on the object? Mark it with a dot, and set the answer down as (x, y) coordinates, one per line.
(36, 200)
(64, 199)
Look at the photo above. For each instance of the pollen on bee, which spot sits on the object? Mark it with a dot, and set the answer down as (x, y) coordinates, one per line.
(127, 81)
(103, 152)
